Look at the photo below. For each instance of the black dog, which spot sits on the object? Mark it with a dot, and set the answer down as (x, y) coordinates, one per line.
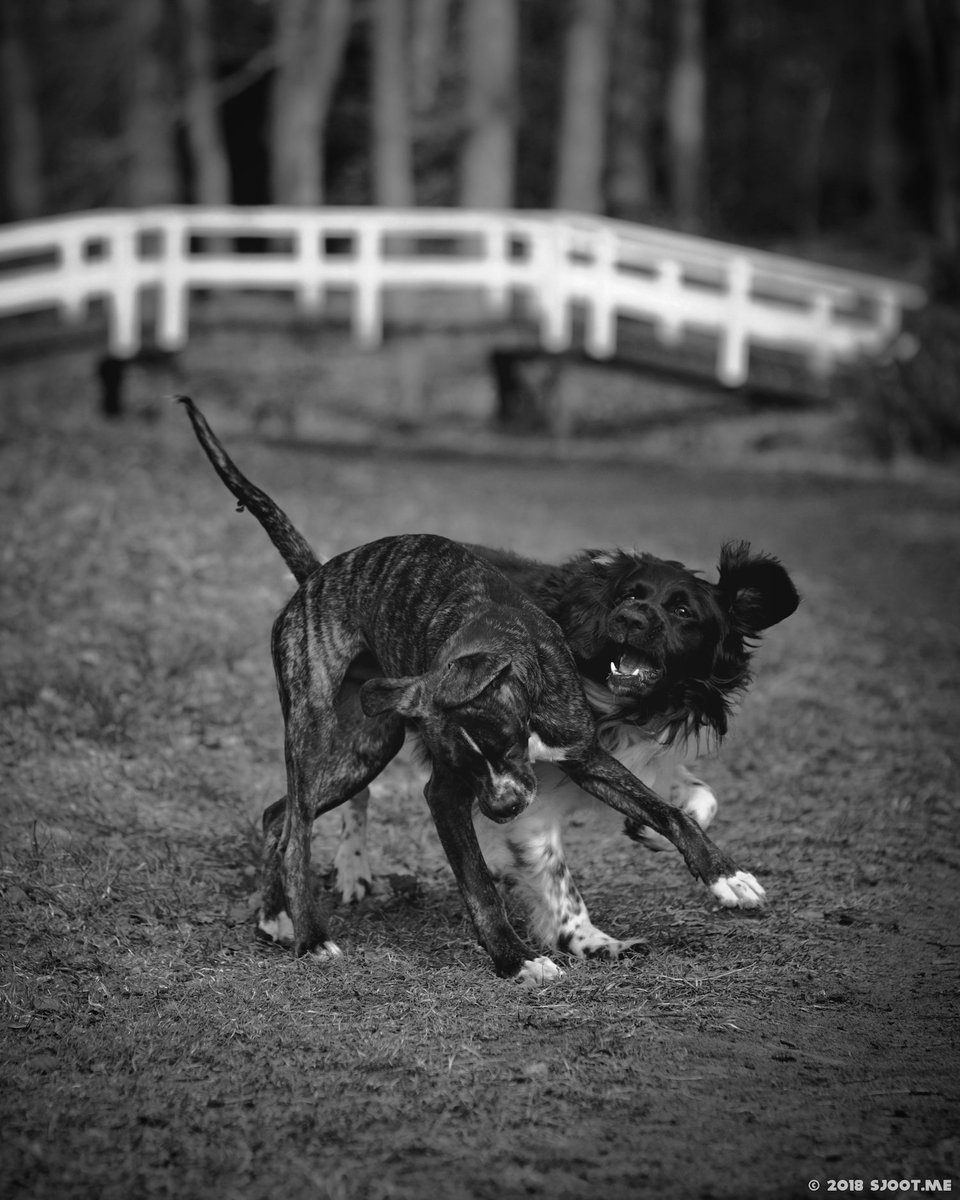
(481, 673)
(662, 655)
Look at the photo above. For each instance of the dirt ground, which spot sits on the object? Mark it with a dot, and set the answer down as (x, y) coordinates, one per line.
(151, 1047)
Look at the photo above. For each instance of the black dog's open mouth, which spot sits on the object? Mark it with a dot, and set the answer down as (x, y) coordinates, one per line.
(633, 674)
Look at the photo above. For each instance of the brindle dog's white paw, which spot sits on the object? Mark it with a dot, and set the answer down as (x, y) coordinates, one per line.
(536, 972)
(738, 891)
(326, 952)
(276, 929)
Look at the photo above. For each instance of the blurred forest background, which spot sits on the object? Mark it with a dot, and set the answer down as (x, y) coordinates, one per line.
(801, 124)
(824, 128)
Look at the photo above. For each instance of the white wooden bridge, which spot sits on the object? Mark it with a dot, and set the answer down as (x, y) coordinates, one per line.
(564, 270)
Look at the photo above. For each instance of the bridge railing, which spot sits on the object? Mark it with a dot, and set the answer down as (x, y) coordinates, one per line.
(610, 273)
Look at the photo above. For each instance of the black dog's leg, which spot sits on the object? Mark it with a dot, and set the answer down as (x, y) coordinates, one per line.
(354, 879)
(452, 814)
(603, 776)
(352, 866)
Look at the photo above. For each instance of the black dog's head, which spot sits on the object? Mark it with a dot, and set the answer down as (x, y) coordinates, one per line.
(471, 710)
(665, 645)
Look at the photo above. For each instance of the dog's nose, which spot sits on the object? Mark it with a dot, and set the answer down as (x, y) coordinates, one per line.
(506, 803)
(635, 618)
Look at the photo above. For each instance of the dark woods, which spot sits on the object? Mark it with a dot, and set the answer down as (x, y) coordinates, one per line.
(784, 123)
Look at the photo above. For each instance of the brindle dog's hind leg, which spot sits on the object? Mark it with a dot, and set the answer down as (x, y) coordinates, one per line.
(354, 878)
(319, 778)
(332, 752)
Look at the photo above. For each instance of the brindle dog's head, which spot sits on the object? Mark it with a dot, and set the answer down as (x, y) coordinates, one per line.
(661, 643)
(471, 711)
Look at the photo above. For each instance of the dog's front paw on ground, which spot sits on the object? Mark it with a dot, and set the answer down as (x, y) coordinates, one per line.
(278, 928)
(612, 950)
(594, 943)
(327, 951)
(738, 891)
(354, 876)
(536, 972)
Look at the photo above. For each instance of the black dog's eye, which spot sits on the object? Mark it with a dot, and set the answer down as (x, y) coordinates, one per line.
(681, 610)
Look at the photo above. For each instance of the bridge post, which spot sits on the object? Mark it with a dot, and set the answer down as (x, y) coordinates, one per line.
(368, 291)
(669, 319)
(496, 240)
(307, 244)
(556, 319)
(732, 364)
(173, 292)
(601, 333)
(124, 297)
(73, 298)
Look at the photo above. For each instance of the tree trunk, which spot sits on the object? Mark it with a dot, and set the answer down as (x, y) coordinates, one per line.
(809, 154)
(584, 108)
(152, 176)
(431, 19)
(488, 163)
(392, 148)
(686, 93)
(22, 136)
(884, 150)
(937, 106)
(310, 39)
(208, 156)
(630, 187)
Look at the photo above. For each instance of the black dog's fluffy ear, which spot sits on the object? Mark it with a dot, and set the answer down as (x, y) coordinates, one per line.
(467, 675)
(757, 589)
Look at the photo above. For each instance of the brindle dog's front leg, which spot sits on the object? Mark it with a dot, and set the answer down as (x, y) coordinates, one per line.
(451, 806)
(603, 776)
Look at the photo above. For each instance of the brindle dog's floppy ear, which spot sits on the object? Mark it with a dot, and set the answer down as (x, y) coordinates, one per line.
(403, 696)
(467, 675)
(757, 589)
(456, 683)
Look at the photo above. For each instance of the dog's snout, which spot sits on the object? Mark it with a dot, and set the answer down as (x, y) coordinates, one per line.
(504, 808)
(636, 618)
(510, 793)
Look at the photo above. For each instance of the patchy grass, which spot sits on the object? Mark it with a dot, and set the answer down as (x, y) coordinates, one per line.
(151, 1046)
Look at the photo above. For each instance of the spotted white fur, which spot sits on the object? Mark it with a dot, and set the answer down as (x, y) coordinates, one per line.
(354, 876)
(278, 928)
(536, 972)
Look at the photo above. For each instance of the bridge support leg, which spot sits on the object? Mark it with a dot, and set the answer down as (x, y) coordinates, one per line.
(111, 371)
(526, 383)
(162, 373)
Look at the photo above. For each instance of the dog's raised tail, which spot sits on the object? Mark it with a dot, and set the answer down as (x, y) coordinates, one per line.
(293, 546)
